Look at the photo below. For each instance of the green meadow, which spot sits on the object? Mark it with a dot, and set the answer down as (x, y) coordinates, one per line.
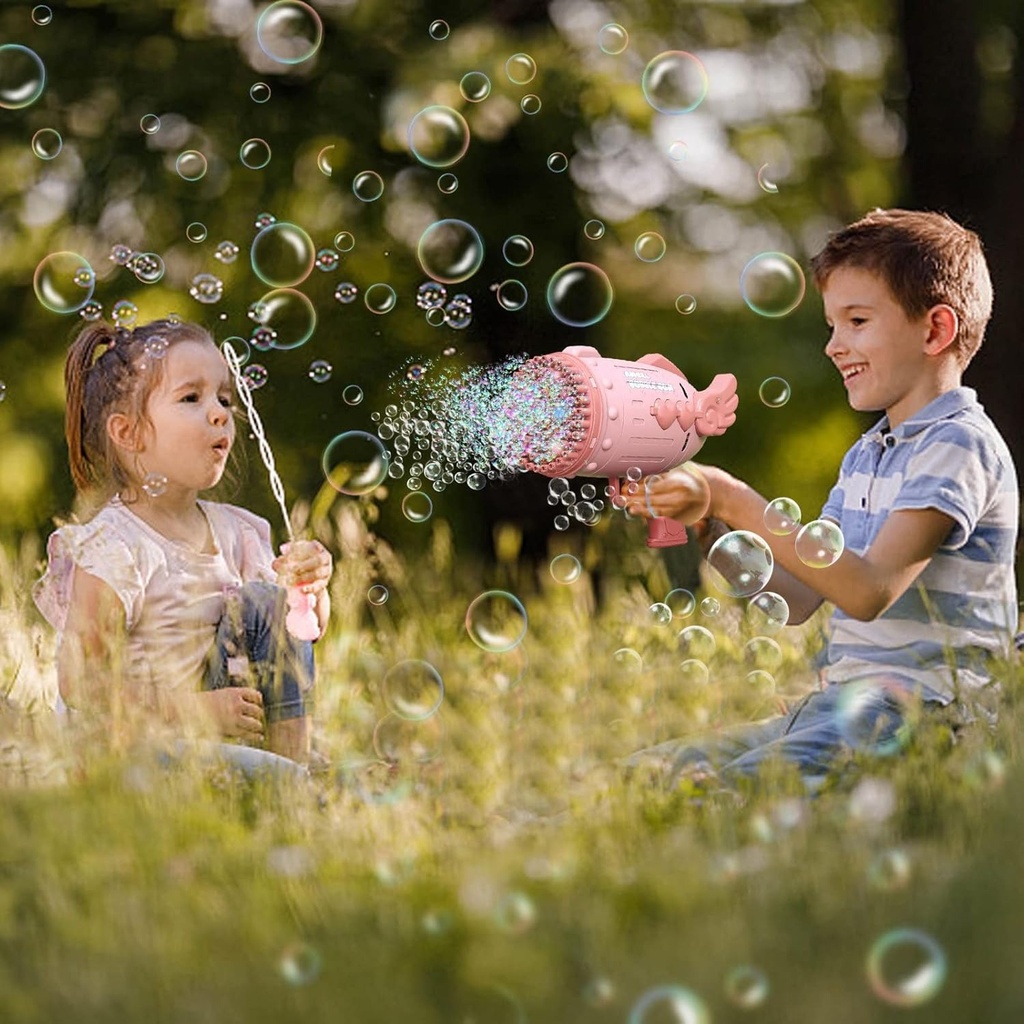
(489, 860)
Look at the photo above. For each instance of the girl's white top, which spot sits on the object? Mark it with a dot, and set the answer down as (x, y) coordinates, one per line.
(173, 596)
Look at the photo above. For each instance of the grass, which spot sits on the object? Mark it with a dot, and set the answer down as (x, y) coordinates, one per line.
(491, 863)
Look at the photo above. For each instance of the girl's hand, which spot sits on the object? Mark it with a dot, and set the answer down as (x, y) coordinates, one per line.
(236, 711)
(306, 564)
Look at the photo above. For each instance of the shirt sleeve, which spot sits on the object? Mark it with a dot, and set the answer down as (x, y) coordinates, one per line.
(94, 548)
(834, 504)
(954, 471)
(255, 551)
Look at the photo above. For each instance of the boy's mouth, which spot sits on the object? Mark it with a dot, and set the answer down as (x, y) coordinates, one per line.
(853, 370)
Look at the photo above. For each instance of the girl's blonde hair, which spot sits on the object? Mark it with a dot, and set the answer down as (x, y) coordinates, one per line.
(111, 369)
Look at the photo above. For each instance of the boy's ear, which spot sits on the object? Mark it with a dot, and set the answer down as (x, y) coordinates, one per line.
(943, 325)
(122, 431)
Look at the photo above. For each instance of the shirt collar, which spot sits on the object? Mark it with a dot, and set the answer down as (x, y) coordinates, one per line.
(946, 406)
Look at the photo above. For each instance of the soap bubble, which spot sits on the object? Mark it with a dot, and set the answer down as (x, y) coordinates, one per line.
(326, 261)
(746, 986)
(450, 251)
(41, 14)
(649, 247)
(299, 964)
(661, 613)
(819, 544)
(254, 154)
(417, 507)
(565, 568)
(906, 967)
(355, 462)
(206, 288)
(889, 871)
(515, 913)
(628, 661)
(675, 82)
(3, 390)
(764, 653)
(352, 395)
(458, 314)
(678, 151)
(120, 254)
(512, 294)
(768, 611)
(530, 104)
(669, 1004)
(762, 180)
(264, 220)
(380, 298)
(191, 165)
(22, 76)
(694, 674)
(154, 484)
(368, 186)
(64, 282)
(320, 371)
(599, 992)
(579, 294)
(439, 29)
(447, 183)
(741, 563)
(558, 162)
(255, 376)
(282, 255)
(346, 292)
(520, 68)
(594, 229)
(613, 38)
(289, 31)
(150, 124)
(289, 315)
(259, 92)
(710, 607)
(496, 621)
(872, 715)
(323, 161)
(685, 304)
(149, 267)
(377, 594)
(196, 232)
(413, 689)
(517, 250)
(681, 601)
(124, 313)
(774, 392)
(475, 86)
(430, 295)
(226, 252)
(697, 642)
(782, 516)
(344, 241)
(91, 311)
(438, 136)
(47, 143)
(772, 284)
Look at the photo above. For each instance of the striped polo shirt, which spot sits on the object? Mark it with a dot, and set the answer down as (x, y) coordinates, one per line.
(963, 607)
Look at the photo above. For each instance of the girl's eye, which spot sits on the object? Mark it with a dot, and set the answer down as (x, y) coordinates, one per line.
(225, 401)
(190, 397)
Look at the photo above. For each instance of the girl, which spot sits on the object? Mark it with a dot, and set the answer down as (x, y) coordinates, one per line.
(165, 603)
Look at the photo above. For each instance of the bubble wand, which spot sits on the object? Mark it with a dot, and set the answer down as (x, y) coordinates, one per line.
(301, 620)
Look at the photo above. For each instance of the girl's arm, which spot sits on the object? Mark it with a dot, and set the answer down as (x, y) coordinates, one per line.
(307, 564)
(90, 671)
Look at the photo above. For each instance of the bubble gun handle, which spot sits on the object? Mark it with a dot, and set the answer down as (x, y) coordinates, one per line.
(662, 531)
(301, 620)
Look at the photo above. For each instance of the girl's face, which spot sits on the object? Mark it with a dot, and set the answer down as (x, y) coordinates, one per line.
(191, 428)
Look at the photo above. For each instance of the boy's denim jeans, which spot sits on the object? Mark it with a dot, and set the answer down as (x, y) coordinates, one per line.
(818, 735)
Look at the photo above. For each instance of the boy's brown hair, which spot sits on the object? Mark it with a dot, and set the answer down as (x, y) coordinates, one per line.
(925, 259)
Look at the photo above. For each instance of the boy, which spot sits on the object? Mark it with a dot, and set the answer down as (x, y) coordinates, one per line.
(927, 501)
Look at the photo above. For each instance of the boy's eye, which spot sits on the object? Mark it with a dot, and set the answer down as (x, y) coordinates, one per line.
(858, 320)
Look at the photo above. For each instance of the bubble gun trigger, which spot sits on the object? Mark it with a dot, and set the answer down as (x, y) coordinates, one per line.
(302, 621)
(662, 531)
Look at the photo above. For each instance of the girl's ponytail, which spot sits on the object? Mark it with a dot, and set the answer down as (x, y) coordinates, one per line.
(79, 423)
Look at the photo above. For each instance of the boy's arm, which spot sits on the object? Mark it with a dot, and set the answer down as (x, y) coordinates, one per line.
(863, 586)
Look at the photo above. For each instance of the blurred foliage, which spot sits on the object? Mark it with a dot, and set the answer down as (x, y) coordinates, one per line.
(796, 87)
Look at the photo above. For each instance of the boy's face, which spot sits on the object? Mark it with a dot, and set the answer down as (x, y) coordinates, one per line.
(878, 349)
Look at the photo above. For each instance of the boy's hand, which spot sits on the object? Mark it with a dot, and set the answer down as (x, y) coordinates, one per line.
(306, 564)
(236, 711)
(682, 494)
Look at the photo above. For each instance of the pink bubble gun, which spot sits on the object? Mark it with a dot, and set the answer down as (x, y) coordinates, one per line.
(625, 414)
(301, 620)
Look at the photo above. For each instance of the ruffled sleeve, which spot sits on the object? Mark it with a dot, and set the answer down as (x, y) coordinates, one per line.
(249, 541)
(96, 548)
